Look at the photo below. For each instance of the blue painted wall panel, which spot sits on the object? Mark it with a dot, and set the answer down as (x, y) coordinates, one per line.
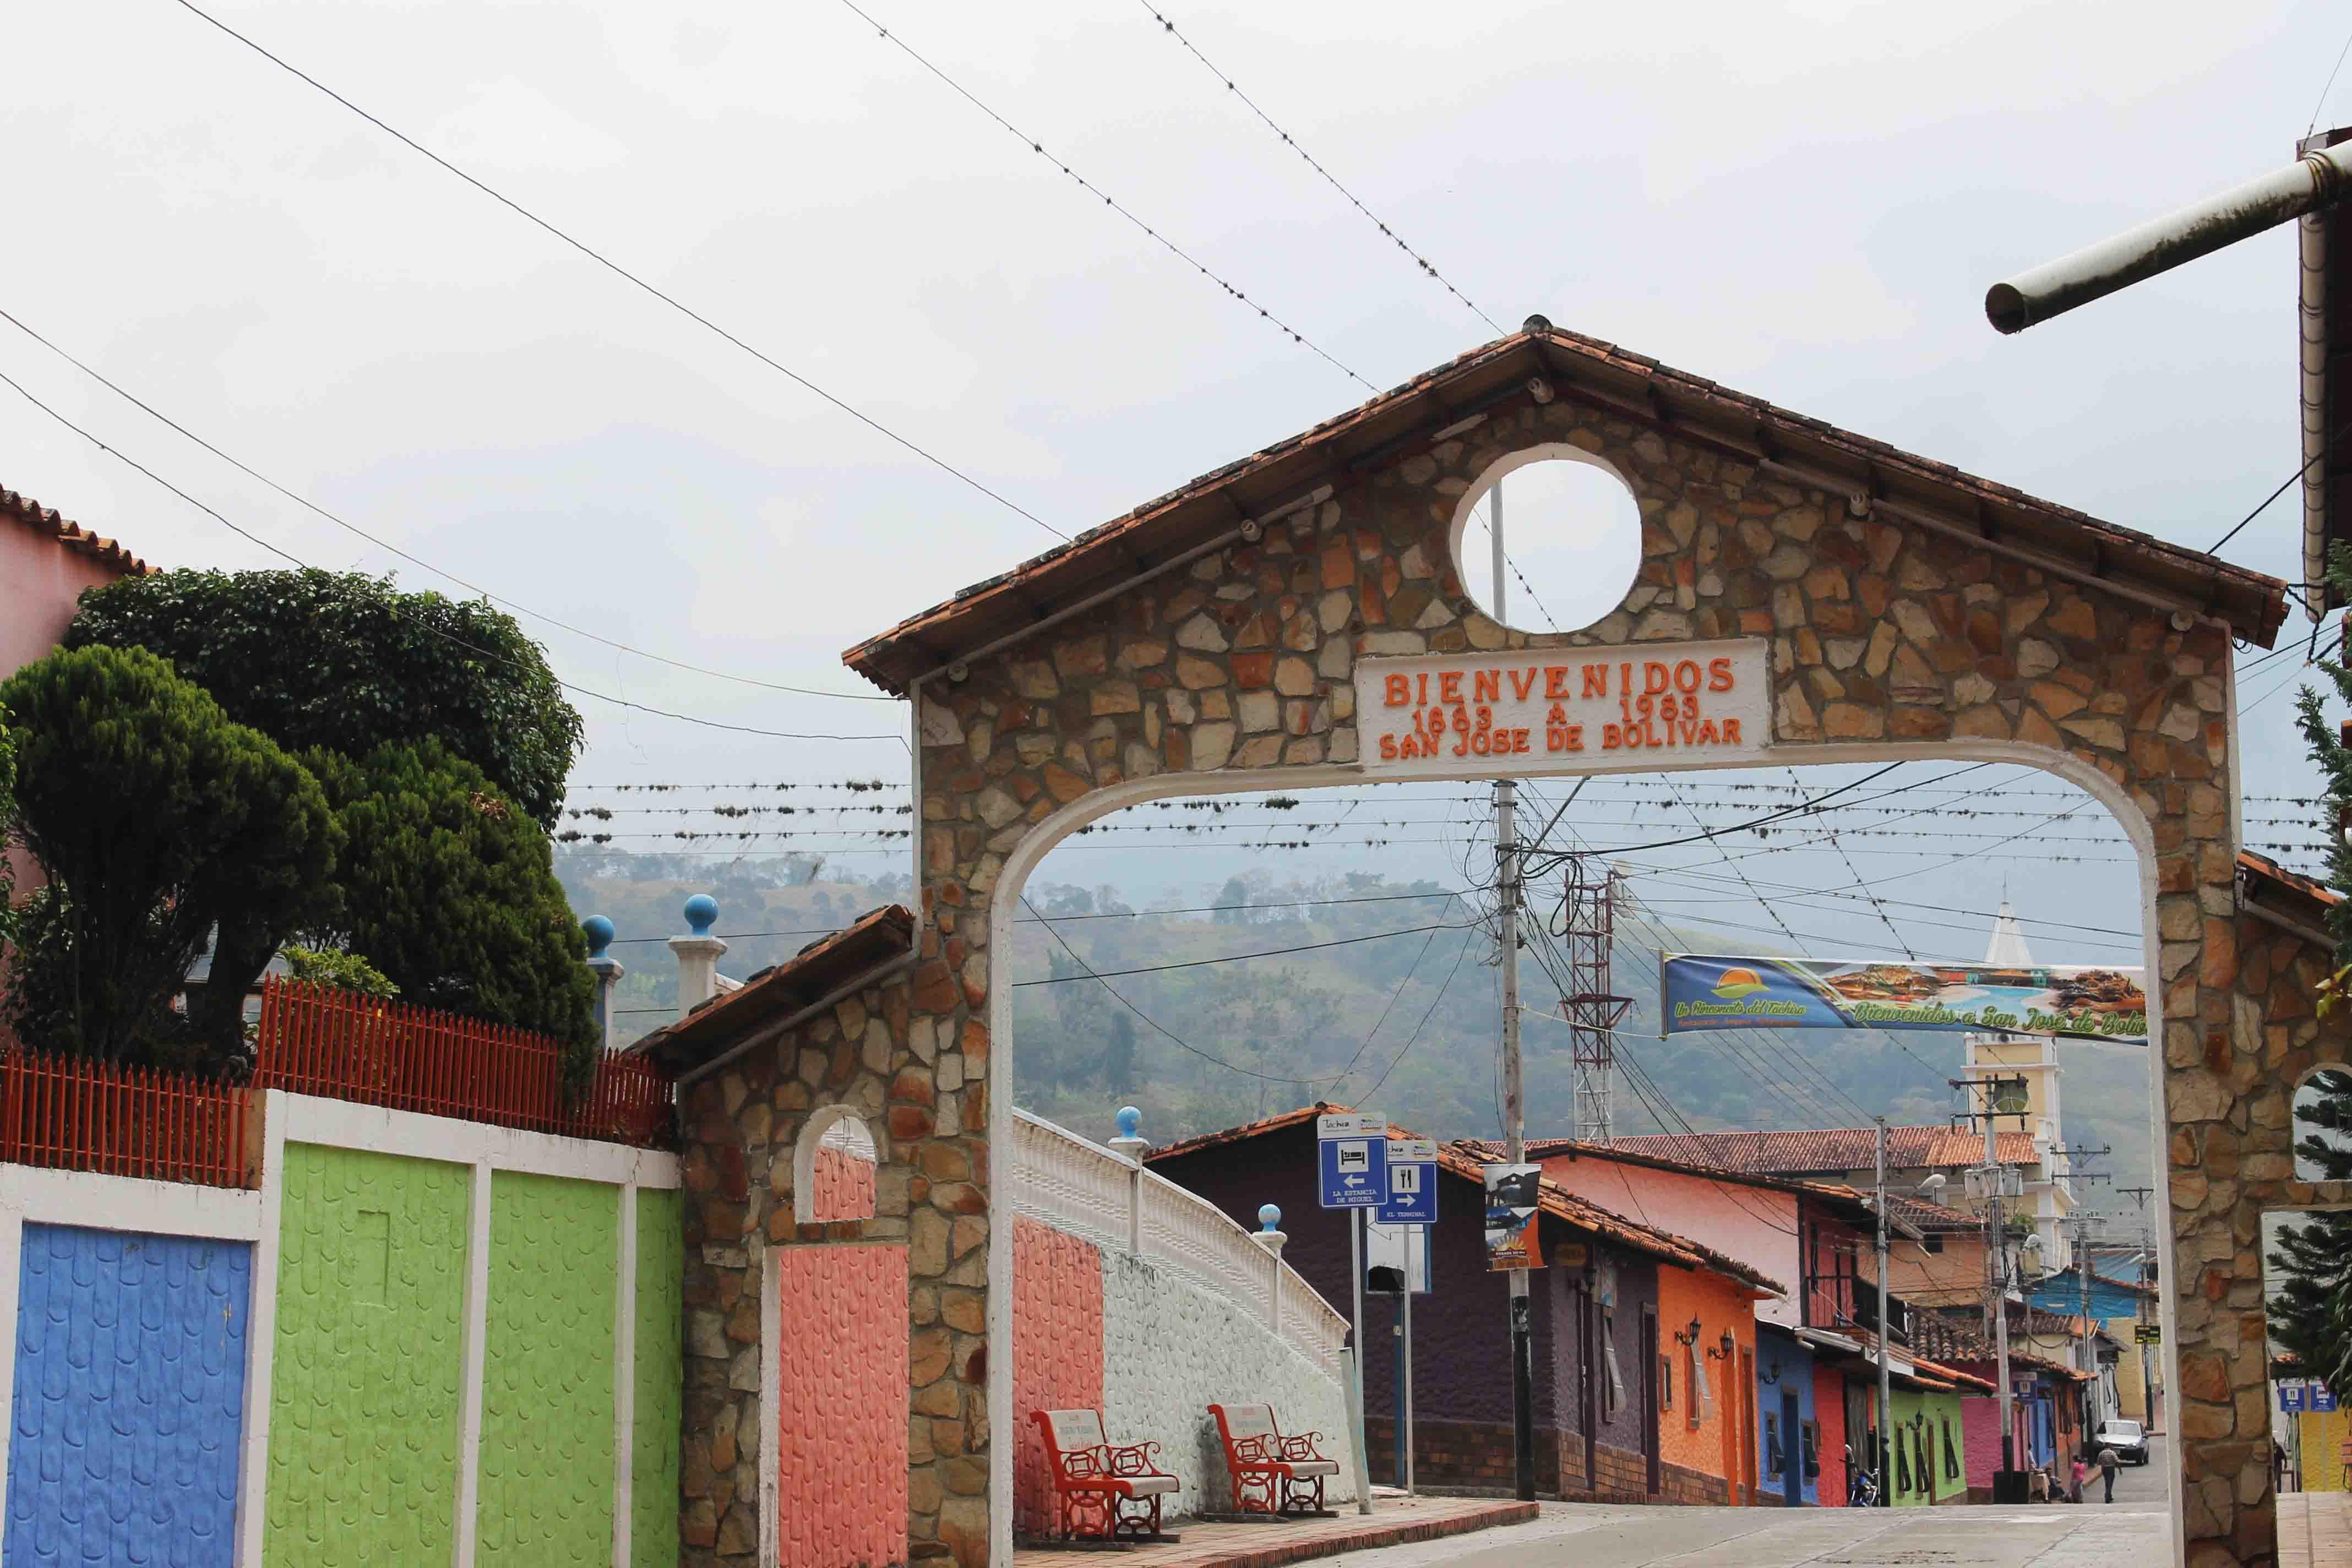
(130, 1385)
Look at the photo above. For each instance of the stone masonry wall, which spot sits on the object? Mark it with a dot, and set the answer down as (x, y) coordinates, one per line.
(920, 1090)
(1881, 630)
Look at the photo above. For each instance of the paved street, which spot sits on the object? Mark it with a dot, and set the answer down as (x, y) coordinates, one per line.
(2134, 1529)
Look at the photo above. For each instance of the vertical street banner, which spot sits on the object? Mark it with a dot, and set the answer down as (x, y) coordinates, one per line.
(1511, 1226)
(1705, 991)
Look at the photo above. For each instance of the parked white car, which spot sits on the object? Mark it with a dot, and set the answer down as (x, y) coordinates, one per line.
(2125, 1437)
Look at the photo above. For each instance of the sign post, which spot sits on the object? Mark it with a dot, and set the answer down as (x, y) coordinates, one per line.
(1352, 1170)
(1411, 1202)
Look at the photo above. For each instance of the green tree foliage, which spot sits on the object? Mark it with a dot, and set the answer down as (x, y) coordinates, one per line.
(8, 815)
(348, 662)
(343, 971)
(158, 821)
(447, 887)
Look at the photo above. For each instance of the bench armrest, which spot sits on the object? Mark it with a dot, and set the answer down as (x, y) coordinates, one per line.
(1254, 1451)
(1132, 1458)
(1302, 1447)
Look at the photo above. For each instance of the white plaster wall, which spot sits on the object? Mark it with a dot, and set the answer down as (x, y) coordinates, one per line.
(1171, 1349)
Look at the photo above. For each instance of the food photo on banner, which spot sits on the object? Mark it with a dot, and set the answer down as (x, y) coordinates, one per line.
(1704, 991)
(1511, 1200)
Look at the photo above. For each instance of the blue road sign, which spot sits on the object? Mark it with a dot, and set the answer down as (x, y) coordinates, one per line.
(1413, 1182)
(1351, 1158)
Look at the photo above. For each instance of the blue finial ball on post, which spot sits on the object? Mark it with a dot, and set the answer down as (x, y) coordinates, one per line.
(1269, 1217)
(1129, 1119)
(599, 931)
(701, 913)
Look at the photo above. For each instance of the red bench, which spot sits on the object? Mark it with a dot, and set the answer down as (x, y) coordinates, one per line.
(1271, 1473)
(1114, 1489)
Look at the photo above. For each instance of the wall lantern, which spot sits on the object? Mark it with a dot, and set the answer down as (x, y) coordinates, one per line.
(1730, 1346)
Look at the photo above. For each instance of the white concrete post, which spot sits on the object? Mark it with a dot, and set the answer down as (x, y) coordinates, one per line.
(698, 953)
(1270, 1237)
(607, 969)
(1130, 1146)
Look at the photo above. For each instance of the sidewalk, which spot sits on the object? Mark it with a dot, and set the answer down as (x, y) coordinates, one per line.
(1394, 1520)
(2314, 1530)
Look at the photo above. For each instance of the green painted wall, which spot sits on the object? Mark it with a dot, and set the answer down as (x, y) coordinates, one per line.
(369, 1359)
(1942, 1413)
(546, 1489)
(660, 1380)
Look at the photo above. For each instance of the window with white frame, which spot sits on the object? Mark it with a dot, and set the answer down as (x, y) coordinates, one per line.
(1702, 1398)
(1612, 1394)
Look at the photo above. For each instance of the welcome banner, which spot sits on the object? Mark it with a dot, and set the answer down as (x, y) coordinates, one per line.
(1701, 991)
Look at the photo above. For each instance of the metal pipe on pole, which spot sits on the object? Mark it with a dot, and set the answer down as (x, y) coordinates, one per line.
(1356, 1362)
(1515, 1119)
(1885, 1371)
(2320, 178)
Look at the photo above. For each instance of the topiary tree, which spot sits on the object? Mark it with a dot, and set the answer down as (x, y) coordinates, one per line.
(448, 889)
(158, 822)
(8, 815)
(348, 662)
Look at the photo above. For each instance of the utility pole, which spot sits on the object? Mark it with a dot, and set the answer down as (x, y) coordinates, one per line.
(2143, 1306)
(1514, 1112)
(2009, 1487)
(2083, 1282)
(1885, 1371)
(1591, 1010)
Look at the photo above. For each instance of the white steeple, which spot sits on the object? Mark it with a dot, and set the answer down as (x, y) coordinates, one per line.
(2007, 949)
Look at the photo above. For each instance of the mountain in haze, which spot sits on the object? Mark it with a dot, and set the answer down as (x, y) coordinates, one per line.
(1394, 1006)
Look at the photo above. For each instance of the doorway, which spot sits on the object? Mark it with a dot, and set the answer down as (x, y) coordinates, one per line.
(1792, 1469)
(1650, 1456)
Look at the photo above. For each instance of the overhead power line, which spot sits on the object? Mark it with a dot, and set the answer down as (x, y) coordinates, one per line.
(1107, 200)
(1330, 179)
(614, 268)
(130, 462)
(383, 543)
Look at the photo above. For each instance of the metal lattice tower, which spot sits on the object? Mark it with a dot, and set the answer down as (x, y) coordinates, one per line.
(1590, 912)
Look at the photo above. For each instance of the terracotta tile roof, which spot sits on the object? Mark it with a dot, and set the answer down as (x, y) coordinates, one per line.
(1829, 1149)
(1459, 1161)
(1846, 1202)
(1342, 450)
(2290, 897)
(70, 535)
(1951, 1337)
(1930, 1373)
(819, 969)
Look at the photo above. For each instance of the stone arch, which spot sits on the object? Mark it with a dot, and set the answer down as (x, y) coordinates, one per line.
(835, 1160)
(1221, 638)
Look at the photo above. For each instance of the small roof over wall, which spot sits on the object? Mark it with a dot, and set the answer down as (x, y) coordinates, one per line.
(1537, 363)
(847, 957)
(25, 513)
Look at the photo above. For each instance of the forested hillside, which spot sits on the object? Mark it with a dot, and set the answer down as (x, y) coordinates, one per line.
(1407, 1022)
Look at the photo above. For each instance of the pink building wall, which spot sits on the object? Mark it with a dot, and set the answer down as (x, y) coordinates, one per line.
(1057, 1352)
(842, 1186)
(842, 1405)
(1980, 1439)
(1754, 1225)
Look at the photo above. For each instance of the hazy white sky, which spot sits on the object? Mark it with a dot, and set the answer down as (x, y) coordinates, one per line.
(1805, 201)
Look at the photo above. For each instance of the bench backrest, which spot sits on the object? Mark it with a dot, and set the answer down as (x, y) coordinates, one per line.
(1241, 1421)
(1074, 1431)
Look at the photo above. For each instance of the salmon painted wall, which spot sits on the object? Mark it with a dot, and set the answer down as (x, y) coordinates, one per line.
(842, 1183)
(1829, 1409)
(842, 1405)
(1754, 1225)
(1057, 1352)
(1712, 1447)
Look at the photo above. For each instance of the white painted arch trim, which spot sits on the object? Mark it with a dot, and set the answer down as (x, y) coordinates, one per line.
(1005, 899)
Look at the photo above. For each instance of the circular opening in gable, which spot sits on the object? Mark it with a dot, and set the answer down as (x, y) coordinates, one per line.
(1571, 538)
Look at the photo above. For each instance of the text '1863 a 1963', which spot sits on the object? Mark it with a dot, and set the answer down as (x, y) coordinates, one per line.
(1565, 709)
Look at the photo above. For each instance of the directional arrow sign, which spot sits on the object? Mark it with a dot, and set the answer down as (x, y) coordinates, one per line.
(1413, 1182)
(1351, 1158)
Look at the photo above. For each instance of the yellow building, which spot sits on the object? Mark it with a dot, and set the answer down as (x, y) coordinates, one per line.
(2319, 1439)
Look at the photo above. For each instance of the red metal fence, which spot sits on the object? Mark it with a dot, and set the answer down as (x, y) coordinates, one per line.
(316, 1040)
(76, 1115)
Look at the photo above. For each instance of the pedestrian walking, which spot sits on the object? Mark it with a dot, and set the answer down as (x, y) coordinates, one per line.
(2082, 1474)
(2107, 1464)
